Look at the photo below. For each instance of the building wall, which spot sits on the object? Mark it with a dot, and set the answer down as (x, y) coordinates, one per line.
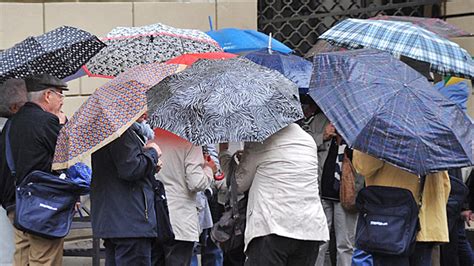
(460, 13)
(20, 20)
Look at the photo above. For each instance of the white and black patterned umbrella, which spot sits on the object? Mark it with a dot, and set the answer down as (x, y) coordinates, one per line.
(230, 100)
(131, 46)
(60, 52)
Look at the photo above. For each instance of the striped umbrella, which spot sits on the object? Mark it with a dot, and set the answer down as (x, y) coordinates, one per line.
(403, 38)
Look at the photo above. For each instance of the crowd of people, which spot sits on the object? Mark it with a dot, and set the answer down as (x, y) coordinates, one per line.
(290, 183)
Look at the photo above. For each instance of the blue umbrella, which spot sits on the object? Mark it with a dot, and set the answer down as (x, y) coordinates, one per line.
(458, 92)
(295, 68)
(382, 107)
(234, 40)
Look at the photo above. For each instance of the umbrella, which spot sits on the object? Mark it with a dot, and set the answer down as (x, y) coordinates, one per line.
(189, 59)
(107, 113)
(323, 46)
(60, 52)
(403, 38)
(234, 40)
(131, 46)
(436, 25)
(228, 100)
(295, 68)
(391, 112)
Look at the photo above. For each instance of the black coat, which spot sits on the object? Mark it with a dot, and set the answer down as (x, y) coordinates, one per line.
(122, 199)
(33, 136)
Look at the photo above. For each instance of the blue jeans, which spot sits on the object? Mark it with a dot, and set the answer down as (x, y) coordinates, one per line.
(465, 254)
(211, 255)
(128, 251)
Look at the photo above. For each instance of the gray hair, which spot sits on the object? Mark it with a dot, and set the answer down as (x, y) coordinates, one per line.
(35, 96)
(12, 92)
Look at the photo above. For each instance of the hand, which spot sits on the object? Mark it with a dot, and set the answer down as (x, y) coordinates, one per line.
(329, 132)
(62, 117)
(159, 165)
(77, 206)
(151, 144)
(466, 216)
(238, 154)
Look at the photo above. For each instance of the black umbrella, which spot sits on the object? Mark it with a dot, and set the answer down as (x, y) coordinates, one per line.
(60, 52)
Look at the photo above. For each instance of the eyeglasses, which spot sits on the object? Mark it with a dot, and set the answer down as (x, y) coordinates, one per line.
(58, 93)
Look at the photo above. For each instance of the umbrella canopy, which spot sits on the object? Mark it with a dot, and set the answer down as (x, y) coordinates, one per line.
(295, 68)
(189, 59)
(107, 113)
(231, 100)
(234, 40)
(391, 112)
(131, 46)
(60, 52)
(403, 38)
(436, 25)
(323, 46)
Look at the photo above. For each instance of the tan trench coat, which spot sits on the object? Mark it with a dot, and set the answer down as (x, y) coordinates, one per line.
(433, 219)
(183, 174)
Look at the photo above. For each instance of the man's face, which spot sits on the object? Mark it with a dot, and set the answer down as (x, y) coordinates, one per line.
(54, 98)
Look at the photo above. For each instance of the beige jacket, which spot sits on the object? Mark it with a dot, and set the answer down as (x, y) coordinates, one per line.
(183, 174)
(433, 219)
(281, 174)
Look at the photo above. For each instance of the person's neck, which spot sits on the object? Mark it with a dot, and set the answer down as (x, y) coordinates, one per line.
(42, 105)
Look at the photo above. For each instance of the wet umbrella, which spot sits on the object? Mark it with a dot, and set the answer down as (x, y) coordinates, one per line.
(107, 113)
(403, 38)
(60, 52)
(295, 68)
(228, 100)
(189, 59)
(131, 46)
(234, 40)
(436, 25)
(391, 112)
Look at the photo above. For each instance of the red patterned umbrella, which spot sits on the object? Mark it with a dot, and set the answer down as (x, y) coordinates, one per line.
(108, 112)
(438, 26)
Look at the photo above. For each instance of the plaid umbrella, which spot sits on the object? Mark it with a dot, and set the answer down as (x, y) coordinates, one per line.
(228, 100)
(391, 112)
(107, 113)
(436, 25)
(295, 68)
(131, 46)
(403, 38)
(60, 52)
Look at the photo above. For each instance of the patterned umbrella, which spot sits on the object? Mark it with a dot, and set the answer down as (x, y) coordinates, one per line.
(60, 52)
(295, 68)
(323, 46)
(403, 38)
(228, 100)
(131, 46)
(189, 59)
(436, 25)
(107, 113)
(390, 111)
(235, 40)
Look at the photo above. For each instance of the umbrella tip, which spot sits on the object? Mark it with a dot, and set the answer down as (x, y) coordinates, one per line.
(210, 23)
(270, 42)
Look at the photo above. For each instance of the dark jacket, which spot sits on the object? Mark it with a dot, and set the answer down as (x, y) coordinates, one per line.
(122, 199)
(33, 136)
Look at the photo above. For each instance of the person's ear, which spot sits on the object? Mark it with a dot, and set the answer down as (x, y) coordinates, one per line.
(47, 96)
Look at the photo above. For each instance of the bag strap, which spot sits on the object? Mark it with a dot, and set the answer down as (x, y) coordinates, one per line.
(233, 187)
(8, 150)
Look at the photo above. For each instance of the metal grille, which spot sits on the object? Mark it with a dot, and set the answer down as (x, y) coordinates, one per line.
(299, 23)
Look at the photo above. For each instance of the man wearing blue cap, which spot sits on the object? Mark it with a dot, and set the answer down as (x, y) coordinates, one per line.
(33, 134)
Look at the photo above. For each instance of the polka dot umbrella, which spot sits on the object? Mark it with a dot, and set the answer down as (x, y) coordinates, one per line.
(60, 52)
